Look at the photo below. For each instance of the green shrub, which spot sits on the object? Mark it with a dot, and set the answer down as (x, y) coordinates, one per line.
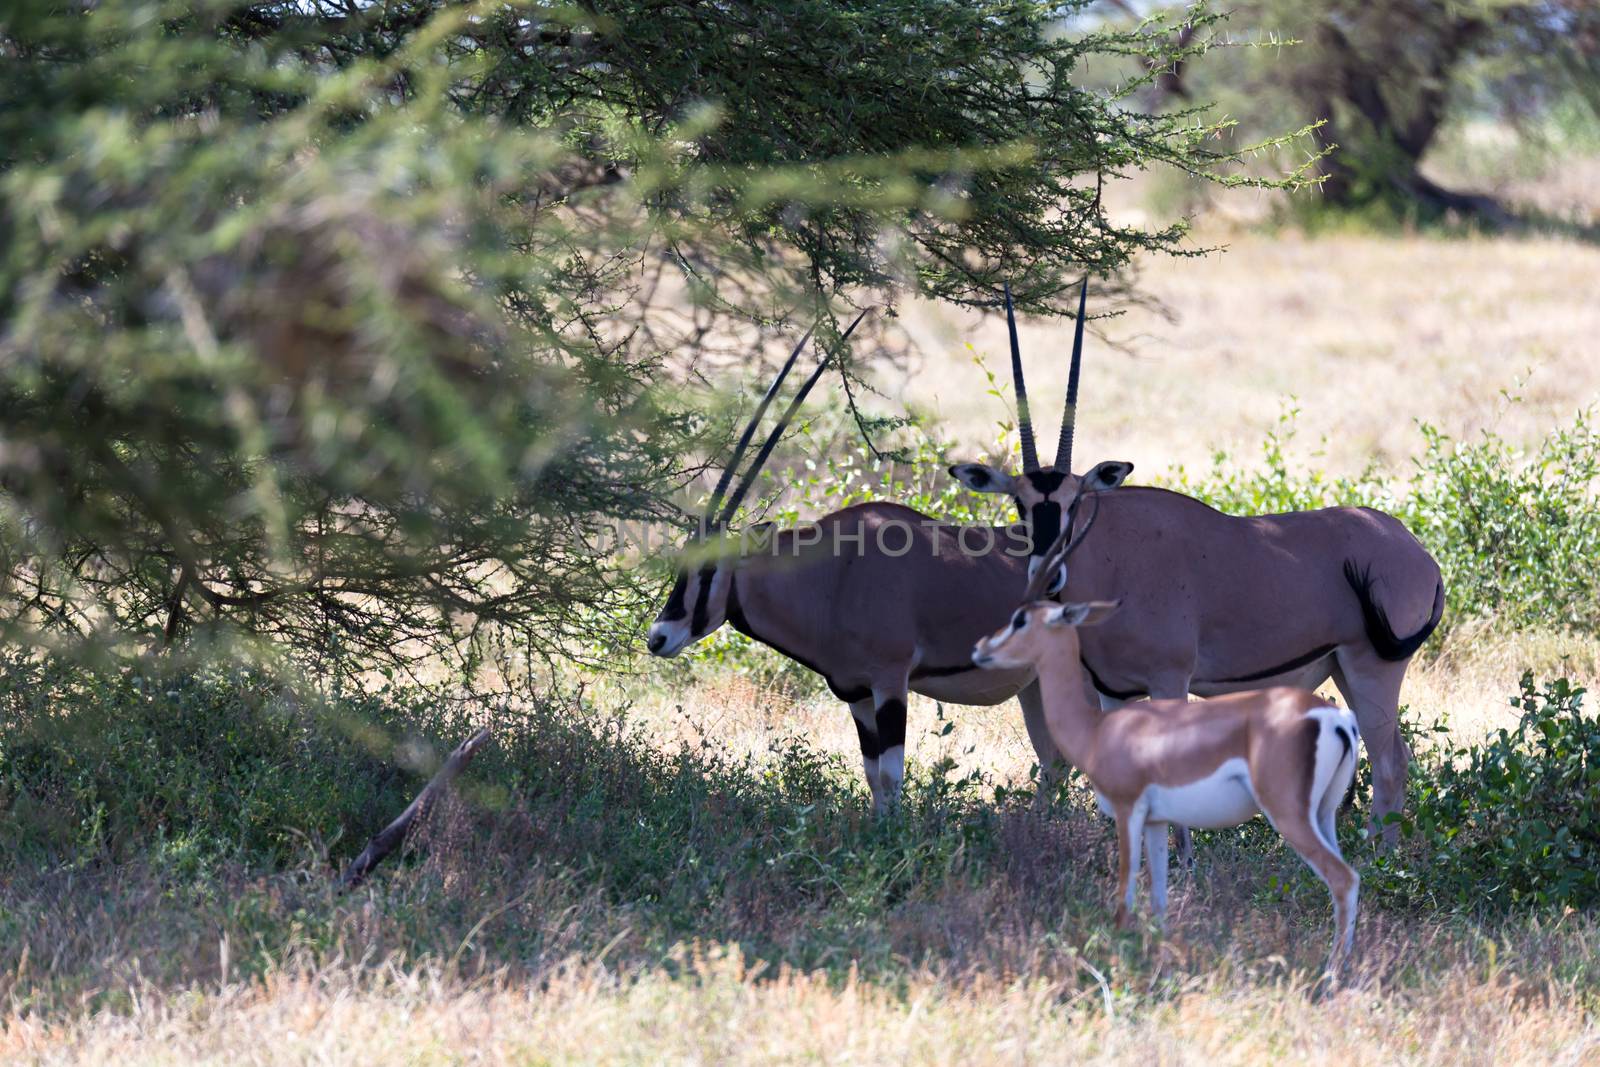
(195, 767)
(1517, 536)
(1511, 822)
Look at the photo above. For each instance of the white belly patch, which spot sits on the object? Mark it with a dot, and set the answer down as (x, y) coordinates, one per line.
(1221, 799)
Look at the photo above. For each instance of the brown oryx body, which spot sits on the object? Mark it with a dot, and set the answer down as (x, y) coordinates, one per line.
(878, 599)
(1283, 752)
(1215, 603)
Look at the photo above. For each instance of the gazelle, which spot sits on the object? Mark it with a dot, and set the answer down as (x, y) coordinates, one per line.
(1214, 603)
(1282, 752)
(878, 599)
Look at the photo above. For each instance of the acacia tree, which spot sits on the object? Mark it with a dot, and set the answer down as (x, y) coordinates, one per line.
(350, 326)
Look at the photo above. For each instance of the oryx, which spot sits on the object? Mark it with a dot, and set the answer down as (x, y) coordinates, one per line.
(1214, 603)
(877, 598)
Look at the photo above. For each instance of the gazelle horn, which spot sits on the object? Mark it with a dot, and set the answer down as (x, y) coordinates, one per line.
(1030, 455)
(750, 430)
(1070, 416)
(777, 431)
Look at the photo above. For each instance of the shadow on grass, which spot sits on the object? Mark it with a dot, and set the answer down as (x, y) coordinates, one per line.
(187, 830)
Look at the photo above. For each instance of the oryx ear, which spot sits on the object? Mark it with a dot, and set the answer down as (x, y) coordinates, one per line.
(1058, 581)
(982, 478)
(1088, 613)
(1107, 475)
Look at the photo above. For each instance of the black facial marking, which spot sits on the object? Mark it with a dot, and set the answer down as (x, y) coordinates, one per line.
(702, 613)
(1019, 620)
(674, 609)
(1046, 482)
(1045, 526)
(891, 724)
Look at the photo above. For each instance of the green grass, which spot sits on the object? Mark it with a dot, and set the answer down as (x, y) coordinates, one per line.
(186, 830)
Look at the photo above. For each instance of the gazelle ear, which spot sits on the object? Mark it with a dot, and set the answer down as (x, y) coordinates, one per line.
(1107, 475)
(1063, 615)
(1089, 613)
(982, 478)
(1098, 611)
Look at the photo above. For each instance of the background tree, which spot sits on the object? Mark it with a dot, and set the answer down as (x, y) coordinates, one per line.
(1386, 79)
(348, 328)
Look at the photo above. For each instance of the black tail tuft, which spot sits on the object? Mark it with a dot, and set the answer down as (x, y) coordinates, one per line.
(1349, 753)
(1379, 631)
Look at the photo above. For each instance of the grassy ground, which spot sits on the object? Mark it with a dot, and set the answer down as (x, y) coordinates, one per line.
(697, 880)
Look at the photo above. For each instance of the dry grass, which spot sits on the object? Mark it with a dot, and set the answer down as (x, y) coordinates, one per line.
(1370, 334)
(718, 1012)
(115, 965)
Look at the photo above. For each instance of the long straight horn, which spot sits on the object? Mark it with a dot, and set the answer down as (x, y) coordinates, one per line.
(777, 431)
(1070, 415)
(750, 430)
(1030, 455)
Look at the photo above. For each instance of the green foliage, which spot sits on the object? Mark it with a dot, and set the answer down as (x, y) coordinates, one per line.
(197, 768)
(200, 774)
(347, 331)
(1513, 822)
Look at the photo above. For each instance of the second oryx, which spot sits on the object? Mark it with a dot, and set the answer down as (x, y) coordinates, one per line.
(1216, 603)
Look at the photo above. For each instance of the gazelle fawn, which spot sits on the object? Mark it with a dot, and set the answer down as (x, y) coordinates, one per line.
(1210, 764)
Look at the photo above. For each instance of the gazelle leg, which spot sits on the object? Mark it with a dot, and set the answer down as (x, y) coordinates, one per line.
(1173, 688)
(1341, 879)
(865, 714)
(1051, 765)
(1155, 843)
(891, 716)
(1130, 835)
(1371, 686)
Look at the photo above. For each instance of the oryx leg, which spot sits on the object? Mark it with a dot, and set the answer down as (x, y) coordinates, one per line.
(1052, 768)
(1371, 686)
(865, 714)
(1169, 689)
(881, 727)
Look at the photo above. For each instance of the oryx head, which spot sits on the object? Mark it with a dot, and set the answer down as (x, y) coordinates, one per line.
(1040, 630)
(698, 601)
(1044, 496)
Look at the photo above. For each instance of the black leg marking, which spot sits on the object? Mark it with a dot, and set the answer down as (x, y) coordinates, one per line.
(870, 748)
(891, 724)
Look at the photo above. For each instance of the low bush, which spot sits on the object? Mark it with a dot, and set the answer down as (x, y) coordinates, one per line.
(1512, 822)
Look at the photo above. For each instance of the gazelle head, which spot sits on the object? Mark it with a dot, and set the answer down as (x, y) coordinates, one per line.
(1040, 630)
(1044, 496)
(698, 602)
